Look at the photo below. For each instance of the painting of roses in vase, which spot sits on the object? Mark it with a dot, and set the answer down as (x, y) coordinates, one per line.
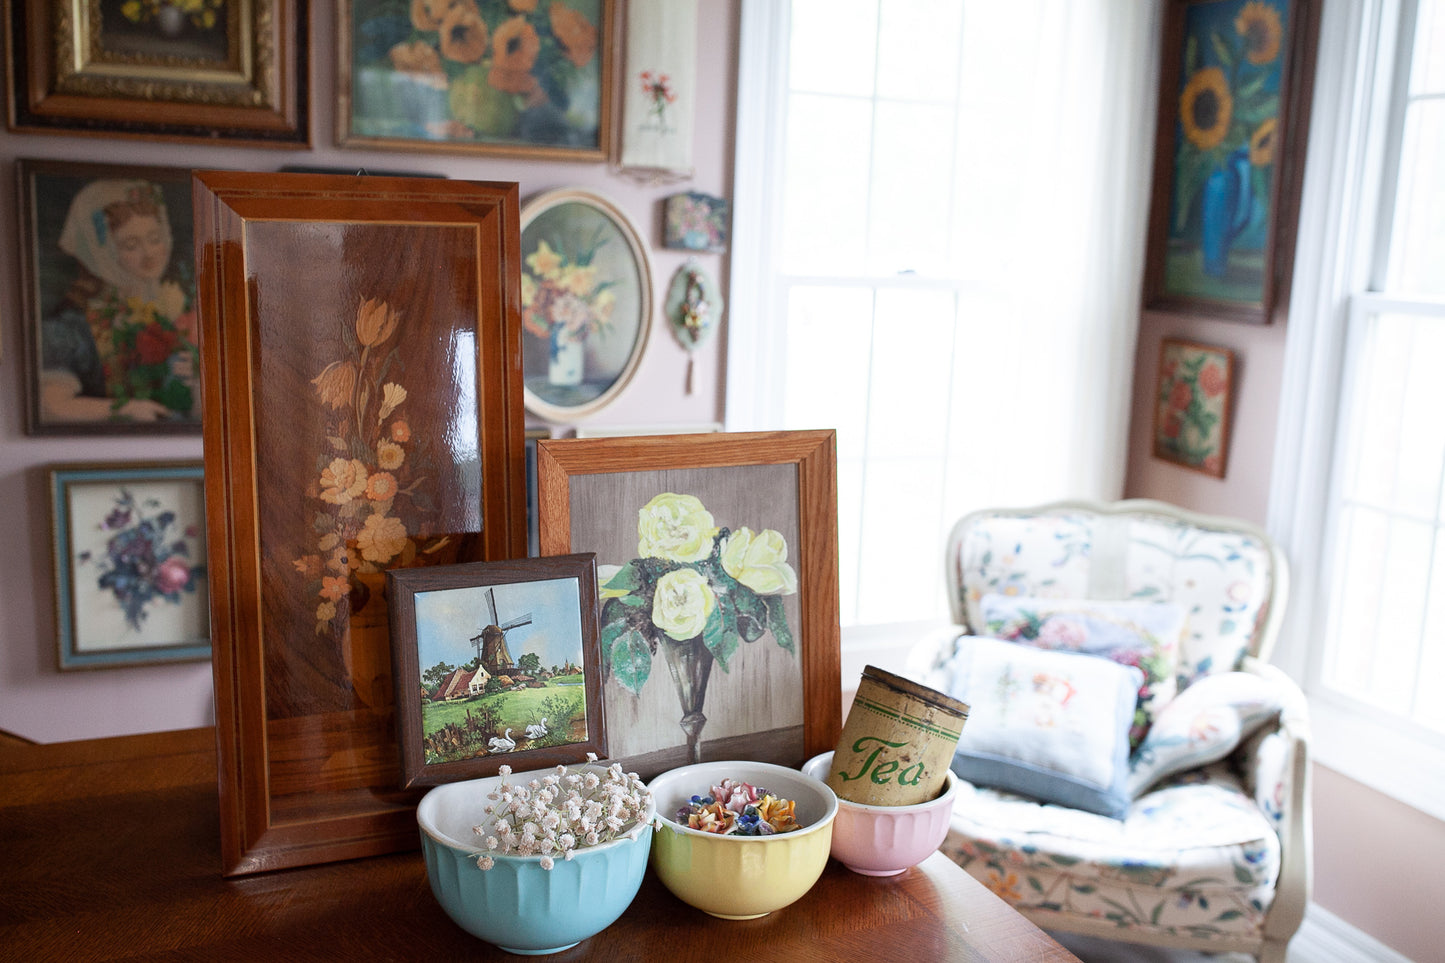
(699, 612)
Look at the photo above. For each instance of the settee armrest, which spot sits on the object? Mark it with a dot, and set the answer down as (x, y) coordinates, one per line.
(1276, 765)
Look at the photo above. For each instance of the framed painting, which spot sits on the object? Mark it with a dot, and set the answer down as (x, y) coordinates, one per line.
(129, 550)
(586, 302)
(693, 221)
(1229, 156)
(1192, 405)
(525, 79)
(495, 662)
(717, 559)
(202, 70)
(109, 297)
(362, 414)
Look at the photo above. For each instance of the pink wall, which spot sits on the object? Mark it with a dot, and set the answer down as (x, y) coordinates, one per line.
(42, 704)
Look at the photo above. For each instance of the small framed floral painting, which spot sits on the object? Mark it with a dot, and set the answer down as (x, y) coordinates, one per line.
(495, 662)
(192, 70)
(129, 548)
(586, 302)
(693, 221)
(494, 76)
(717, 558)
(1192, 405)
(109, 291)
(1229, 156)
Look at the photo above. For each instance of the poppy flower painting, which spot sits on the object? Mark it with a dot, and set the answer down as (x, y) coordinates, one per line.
(1191, 405)
(522, 76)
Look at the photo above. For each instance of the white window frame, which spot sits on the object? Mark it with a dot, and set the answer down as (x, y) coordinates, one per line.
(1353, 140)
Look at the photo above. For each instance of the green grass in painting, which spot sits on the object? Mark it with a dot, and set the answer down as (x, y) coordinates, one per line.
(514, 709)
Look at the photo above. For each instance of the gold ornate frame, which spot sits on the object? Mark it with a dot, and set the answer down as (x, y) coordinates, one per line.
(66, 77)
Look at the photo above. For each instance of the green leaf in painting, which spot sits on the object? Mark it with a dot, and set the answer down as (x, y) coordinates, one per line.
(720, 634)
(630, 659)
(778, 623)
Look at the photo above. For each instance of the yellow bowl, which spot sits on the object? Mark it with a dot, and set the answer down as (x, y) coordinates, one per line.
(741, 877)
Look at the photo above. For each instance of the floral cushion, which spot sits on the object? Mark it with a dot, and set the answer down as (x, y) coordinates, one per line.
(1143, 634)
(1052, 725)
(1203, 724)
(1219, 579)
(1195, 857)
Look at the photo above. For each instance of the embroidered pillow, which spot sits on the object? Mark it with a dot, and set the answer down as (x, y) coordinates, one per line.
(1203, 724)
(1138, 633)
(1048, 724)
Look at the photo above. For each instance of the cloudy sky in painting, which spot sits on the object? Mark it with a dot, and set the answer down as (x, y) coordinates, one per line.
(446, 621)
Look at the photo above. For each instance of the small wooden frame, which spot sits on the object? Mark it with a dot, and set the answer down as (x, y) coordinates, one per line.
(527, 707)
(776, 695)
(1192, 405)
(362, 413)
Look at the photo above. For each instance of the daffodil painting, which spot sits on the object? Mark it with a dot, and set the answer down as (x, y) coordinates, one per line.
(699, 614)
(1227, 140)
(491, 73)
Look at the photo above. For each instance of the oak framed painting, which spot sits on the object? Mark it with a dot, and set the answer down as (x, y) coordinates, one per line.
(129, 551)
(488, 76)
(1192, 405)
(1229, 156)
(362, 414)
(108, 283)
(586, 302)
(717, 558)
(495, 662)
(200, 70)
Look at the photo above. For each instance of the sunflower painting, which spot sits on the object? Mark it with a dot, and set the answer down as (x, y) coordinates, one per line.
(524, 75)
(1227, 118)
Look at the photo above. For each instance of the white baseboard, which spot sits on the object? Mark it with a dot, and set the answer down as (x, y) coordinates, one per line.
(1325, 938)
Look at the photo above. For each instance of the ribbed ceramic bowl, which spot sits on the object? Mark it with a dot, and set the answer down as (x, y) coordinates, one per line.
(517, 905)
(741, 877)
(886, 840)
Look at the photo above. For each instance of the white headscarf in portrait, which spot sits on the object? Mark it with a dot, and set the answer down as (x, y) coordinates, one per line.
(87, 236)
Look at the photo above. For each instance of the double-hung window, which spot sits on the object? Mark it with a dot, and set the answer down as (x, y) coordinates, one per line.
(1359, 496)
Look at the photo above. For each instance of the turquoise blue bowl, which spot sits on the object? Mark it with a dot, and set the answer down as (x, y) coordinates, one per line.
(517, 905)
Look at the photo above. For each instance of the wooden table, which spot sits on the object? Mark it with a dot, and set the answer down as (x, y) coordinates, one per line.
(109, 851)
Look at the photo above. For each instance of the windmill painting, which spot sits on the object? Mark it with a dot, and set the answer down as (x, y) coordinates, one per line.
(496, 671)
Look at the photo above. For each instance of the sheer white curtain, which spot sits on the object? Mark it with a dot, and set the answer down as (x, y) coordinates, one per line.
(939, 218)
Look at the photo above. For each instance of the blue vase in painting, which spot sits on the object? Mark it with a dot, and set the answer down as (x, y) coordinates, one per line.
(1227, 203)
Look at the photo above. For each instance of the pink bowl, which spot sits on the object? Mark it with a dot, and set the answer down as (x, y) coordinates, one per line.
(885, 840)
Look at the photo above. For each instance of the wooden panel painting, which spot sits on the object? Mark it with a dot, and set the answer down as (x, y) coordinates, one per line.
(361, 415)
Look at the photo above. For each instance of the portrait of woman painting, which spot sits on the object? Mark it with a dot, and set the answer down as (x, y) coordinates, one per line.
(109, 287)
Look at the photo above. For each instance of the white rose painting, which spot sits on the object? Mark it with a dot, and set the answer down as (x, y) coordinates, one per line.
(695, 576)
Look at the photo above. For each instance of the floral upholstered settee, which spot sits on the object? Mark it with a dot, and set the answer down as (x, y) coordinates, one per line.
(1189, 825)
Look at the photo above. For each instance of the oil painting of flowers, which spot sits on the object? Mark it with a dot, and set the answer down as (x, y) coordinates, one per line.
(586, 302)
(1229, 121)
(699, 619)
(525, 75)
(1192, 404)
(130, 563)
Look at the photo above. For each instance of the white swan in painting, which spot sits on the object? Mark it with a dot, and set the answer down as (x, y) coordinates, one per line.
(502, 743)
(537, 731)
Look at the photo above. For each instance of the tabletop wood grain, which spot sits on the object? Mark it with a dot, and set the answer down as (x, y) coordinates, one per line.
(109, 850)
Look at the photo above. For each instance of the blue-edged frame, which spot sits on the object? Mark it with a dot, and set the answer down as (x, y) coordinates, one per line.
(62, 480)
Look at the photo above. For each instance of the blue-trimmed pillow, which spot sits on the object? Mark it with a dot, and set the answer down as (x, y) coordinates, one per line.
(1134, 632)
(1046, 724)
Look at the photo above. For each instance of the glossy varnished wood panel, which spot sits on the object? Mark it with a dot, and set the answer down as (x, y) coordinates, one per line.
(109, 851)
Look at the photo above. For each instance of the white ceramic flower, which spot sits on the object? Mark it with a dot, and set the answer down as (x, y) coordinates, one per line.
(681, 604)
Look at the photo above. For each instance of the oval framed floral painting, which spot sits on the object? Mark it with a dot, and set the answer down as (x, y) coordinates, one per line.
(586, 303)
